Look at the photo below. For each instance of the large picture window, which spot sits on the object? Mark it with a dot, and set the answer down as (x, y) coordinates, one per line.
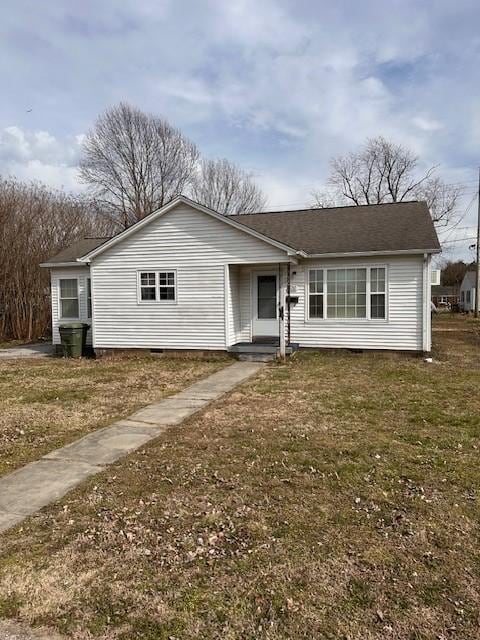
(157, 286)
(69, 307)
(349, 293)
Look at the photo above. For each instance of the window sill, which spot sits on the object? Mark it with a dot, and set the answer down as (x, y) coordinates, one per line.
(156, 302)
(346, 320)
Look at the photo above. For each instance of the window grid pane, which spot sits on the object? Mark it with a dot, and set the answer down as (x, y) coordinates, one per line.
(166, 278)
(69, 288)
(69, 308)
(167, 293)
(316, 306)
(377, 280)
(377, 308)
(147, 279)
(148, 293)
(346, 296)
(315, 288)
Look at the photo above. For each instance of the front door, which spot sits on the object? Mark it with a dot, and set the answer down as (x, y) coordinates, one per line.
(265, 304)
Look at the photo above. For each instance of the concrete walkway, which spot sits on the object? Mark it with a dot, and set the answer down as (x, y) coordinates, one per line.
(40, 350)
(16, 631)
(39, 483)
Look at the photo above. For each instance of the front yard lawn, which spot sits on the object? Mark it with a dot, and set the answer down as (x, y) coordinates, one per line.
(46, 403)
(333, 497)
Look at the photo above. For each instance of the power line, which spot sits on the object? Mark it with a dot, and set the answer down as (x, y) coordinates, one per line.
(460, 240)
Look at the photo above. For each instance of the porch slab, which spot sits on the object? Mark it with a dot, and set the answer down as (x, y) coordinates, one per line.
(258, 347)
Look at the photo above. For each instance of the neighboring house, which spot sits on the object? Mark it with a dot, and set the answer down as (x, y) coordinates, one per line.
(467, 289)
(186, 277)
(444, 296)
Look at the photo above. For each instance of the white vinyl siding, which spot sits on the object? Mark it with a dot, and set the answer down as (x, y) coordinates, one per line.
(81, 275)
(467, 291)
(198, 247)
(402, 327)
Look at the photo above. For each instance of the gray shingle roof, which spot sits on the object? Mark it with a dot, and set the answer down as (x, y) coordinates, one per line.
(443, 290)
(401, 226)
(76, 250)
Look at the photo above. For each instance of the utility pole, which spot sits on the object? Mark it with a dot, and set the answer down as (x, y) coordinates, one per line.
(477, 279)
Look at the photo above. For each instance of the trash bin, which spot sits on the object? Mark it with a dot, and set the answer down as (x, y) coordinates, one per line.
(73, 337)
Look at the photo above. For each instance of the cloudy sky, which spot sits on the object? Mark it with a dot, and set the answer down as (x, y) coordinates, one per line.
(277, 86)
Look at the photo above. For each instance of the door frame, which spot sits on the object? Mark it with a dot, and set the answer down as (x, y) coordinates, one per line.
(254, 299)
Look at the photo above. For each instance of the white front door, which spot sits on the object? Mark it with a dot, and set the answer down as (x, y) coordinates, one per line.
(265, 304)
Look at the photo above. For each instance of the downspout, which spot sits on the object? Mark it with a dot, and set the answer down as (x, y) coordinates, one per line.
(427, 314)
(288, 305)
(281, 312)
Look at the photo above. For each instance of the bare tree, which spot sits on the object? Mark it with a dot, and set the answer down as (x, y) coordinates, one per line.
(35, 223)
(224, 187)
(135, 163)
(382, 171)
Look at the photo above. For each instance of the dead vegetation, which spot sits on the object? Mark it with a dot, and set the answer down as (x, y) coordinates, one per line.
(332, 497)
(47, 403)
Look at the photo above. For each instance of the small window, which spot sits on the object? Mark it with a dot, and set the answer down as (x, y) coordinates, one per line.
(315, 298)
(462, 296)
(377, 293)
(89, 298)
(469, 296)
(157, 286)
(69, 307)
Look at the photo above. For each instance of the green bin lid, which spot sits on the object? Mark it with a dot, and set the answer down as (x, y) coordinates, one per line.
(74, 325)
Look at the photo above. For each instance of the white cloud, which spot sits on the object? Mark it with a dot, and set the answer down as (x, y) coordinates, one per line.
(38, 155)
(281, 86)
(427, 124)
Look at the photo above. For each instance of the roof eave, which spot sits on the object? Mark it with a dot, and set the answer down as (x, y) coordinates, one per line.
(382, 252)
(51, 265)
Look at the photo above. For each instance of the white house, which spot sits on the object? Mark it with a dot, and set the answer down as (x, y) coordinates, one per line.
(467, 289)
(187, 277)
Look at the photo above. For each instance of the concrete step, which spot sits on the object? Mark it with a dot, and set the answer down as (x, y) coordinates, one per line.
(256, 357)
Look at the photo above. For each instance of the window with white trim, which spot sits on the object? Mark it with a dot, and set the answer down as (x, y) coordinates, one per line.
(157, 286)
(68, 295)
(347, 293)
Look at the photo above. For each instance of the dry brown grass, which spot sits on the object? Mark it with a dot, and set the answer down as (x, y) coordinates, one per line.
(332, 497)
(49, 402)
